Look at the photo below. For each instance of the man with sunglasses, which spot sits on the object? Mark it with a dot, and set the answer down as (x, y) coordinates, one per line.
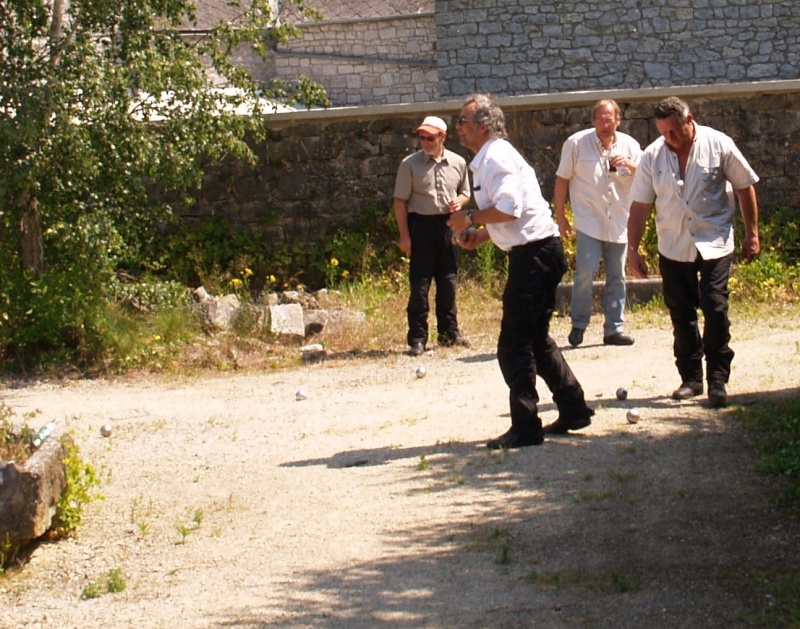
(518, 220)
(431, 183)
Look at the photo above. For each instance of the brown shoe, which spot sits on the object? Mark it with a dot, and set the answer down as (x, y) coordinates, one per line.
(717, 396)
(563, 424)
(515, 439)
(618, 339)
(687, 390)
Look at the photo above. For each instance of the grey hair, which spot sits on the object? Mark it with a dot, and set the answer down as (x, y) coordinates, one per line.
(487, 112)
(605, 103)
(672, 106)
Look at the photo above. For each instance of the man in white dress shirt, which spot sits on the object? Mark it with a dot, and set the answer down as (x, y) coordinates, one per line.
(596, 172)
(694, 174)
(519, 220)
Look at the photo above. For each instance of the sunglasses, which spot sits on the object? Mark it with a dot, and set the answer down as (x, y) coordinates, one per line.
(428, 138)
(463, 121)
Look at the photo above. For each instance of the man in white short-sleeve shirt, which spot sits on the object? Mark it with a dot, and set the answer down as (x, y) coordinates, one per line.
(694, 174)
(518, 219)
(596, 172)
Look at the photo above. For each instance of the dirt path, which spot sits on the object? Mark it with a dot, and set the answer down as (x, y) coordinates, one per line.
(374, 503)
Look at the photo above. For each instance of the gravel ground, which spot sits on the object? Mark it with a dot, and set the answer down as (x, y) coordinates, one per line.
(374, 502)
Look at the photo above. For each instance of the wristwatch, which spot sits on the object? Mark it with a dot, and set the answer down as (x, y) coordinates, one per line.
(469, 218)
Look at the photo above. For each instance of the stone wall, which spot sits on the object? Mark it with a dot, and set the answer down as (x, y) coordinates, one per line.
(365, 61)
(510, 47)
(318, 168)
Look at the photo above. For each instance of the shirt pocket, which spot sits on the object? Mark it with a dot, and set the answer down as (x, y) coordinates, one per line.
(711, 173)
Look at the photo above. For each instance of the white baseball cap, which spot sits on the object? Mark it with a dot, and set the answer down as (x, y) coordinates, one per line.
(433, 124)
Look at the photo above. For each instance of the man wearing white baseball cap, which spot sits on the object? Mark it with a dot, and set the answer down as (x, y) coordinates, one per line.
(431, 183)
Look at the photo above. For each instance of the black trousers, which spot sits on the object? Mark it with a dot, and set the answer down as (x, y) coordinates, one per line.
(688, 286)
(434, 257)
(525, 347)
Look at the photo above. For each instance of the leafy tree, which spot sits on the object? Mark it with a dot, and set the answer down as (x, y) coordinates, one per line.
(101, 103)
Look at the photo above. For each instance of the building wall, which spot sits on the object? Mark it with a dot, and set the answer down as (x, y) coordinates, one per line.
(318, 168)
(511, 47)
(366, 61)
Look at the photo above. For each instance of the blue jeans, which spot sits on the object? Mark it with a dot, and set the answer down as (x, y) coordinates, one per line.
(587, 262)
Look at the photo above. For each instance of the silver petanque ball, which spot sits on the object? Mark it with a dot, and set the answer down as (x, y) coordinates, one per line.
(622, 393)
(300, 395)
(421, 372)
(106, 430)
(633, 416)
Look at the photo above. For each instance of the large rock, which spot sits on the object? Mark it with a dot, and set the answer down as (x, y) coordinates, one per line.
(287, 320)
(29, 493)
(219, 312)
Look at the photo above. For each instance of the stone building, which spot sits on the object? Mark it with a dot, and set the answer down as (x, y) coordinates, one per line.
(383, 52)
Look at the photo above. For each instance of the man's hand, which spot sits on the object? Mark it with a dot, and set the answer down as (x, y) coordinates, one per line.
(405, 245)
(472, 238)
(458, 221)
(564, 228)
(636, 265)
(751, 247)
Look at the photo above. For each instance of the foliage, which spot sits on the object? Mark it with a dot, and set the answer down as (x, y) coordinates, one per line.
(111, 583)
(100, 105)
(82, 482)
(776, 426)
(16, 442)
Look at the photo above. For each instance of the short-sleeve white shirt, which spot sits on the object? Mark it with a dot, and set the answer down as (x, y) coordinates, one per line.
(695, 213)
(599, 198)
(501, 178)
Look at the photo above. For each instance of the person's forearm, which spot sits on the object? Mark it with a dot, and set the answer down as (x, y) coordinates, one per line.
(749, 207)
(637, 221)
(560, 191)
(401, 216)
(490, 215)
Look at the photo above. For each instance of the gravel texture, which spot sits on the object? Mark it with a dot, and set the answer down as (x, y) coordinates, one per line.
(373, 502)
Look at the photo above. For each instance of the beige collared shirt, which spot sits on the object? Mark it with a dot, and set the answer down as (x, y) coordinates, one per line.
(428, 184)
(695, 213)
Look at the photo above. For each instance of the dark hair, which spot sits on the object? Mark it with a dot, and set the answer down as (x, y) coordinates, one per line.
(487, 112)
(672, 106)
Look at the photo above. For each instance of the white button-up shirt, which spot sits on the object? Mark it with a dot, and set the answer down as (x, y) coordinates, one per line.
(501, 178)
(695, 213)
(599, 198)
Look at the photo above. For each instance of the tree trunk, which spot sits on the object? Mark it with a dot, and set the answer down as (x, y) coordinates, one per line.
(30, 229)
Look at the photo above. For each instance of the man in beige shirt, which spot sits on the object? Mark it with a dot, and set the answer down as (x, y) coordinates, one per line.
(431, 183)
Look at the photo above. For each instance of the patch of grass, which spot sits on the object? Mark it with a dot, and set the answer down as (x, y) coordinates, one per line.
(612, 582)
(485, 538)
(775, 426)
(619, 477)
(780, 596)
(423, 463)
(110, 583)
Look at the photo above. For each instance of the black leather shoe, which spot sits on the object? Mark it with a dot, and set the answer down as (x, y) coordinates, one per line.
(618, 339)
(458, 341)
(563, 425)
(687, 390)
(575, 337)
(717, 396)
(417, 349)
(515, 439)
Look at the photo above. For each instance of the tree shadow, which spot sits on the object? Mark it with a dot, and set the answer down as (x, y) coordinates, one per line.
(632, 528)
